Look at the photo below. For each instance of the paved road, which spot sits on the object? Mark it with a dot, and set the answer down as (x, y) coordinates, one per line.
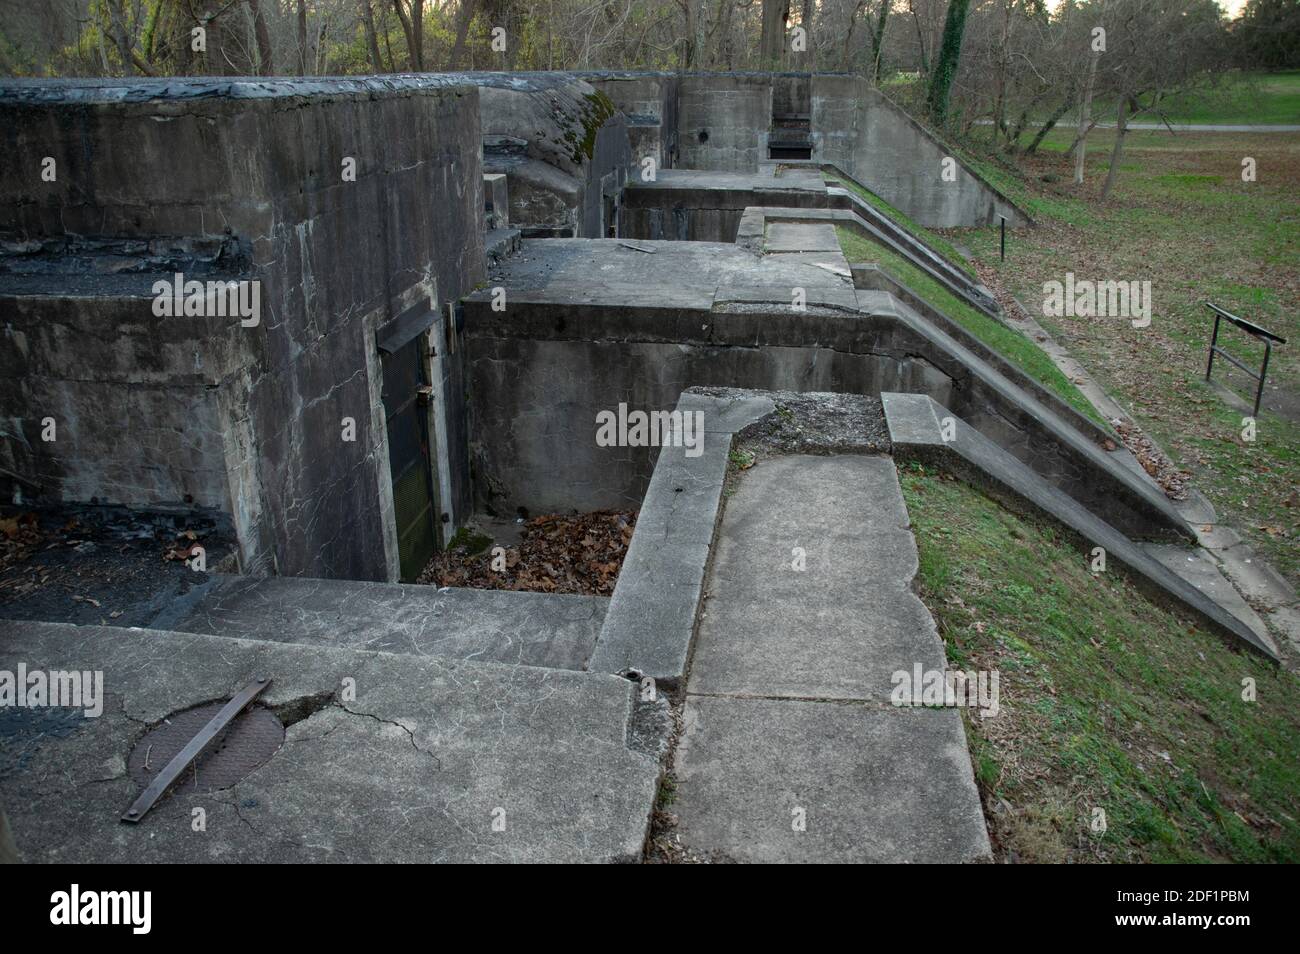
(1188, 127)
(1209, 127)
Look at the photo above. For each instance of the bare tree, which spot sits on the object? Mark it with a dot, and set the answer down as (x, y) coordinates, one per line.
(771, 47)
(265, 61)
(1155, 48)
(411, 13)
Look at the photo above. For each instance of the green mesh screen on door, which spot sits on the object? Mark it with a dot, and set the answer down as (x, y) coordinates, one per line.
(409, 458)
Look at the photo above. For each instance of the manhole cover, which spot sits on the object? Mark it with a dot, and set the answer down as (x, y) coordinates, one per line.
(252, 738)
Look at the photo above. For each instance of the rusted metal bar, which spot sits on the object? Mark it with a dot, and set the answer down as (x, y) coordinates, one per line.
(172, 770)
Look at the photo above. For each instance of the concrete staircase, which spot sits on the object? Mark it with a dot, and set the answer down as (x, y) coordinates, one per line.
(790, 136)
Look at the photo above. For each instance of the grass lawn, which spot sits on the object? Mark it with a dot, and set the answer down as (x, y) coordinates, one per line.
(936, 241)
(1182, 218)
(1106, 701)
(1252, 98)
(1014, 346)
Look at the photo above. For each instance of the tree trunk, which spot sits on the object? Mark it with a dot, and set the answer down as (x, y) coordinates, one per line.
(724, 33)
(302, 37)
(1000, 110)
(413, 27)
(1048, 127)
(372, 39)
(806, 21)
(688, 33)
(920, 37)
(265, 64)
(1121, 130)
(772, 41)
(847, 59)
(878, 39)
(117, 28)
(462, 29)
(1085, 108)
(945, 65)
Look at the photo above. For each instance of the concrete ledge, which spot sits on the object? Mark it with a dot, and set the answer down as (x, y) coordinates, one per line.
(753, 227)
(528, 629)
(651, 619)
(916, 428)
(726, 329)
(412, 768)
(875, 278)
(1066, 458)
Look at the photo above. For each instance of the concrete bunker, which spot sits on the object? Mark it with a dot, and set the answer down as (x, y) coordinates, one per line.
(444, 323)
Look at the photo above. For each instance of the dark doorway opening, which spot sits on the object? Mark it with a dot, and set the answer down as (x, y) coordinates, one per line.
(406, 398)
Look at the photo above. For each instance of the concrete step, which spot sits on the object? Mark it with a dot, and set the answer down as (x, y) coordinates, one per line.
(528, 629)
(501, 243)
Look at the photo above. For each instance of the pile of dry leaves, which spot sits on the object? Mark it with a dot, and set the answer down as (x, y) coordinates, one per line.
(1153, 460)
(19, 537)
(581, 553)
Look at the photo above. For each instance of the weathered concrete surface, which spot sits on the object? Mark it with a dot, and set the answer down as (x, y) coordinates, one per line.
(788, 714)
(531, 629)
(649, 101)
(701, 206)
(875, 786)
(1198, 568)
(917, 432)
(652, 613)
(801, 237)
(590, 325)
(414, 770)
(193, 164)
(859, 129)
(723, 120)
(835, 630)
(562, 144)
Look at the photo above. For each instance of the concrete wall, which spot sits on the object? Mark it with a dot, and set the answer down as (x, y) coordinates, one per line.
(723, 120)
(261, 162)
(562, 144)
(858, 129)
(536, 402)
(649, 102)
(541, 373)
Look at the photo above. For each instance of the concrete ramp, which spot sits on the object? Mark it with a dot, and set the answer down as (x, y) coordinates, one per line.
(792, 749)
(922, 429)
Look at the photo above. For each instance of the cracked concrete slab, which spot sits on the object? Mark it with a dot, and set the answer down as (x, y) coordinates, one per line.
(838, 628)
(533, 629)
(791, 749)
(873, 785)
(416, 768)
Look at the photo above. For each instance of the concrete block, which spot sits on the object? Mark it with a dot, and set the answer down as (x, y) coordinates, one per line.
(415, 769)
(871, 785)
(528, 629)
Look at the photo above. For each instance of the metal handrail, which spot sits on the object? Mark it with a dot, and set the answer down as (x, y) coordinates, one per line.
(1256, 332)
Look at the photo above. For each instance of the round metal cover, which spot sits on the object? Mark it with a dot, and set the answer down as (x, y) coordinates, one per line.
(252, 738)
